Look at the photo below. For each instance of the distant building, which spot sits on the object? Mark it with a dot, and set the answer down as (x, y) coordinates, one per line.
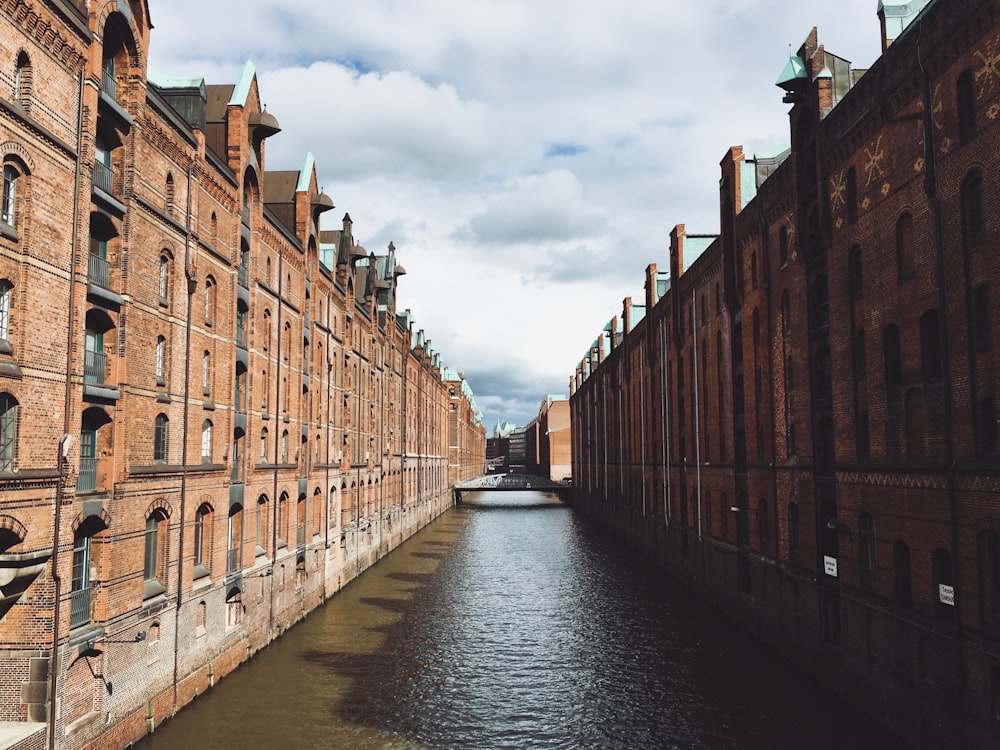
(548, 441)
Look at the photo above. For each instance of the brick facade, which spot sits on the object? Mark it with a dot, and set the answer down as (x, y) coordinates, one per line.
(212, 416)
(801, 420)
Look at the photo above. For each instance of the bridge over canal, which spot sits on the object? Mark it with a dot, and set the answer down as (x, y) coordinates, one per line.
(509, 483)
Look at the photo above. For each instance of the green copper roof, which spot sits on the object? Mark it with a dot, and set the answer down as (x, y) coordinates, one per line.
(793, 69)
(242, 89)
(306, 174)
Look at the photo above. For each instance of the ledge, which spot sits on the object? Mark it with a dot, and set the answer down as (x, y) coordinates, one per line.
(149, 469)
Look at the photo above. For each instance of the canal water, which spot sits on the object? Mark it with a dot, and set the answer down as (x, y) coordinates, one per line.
(510, 622)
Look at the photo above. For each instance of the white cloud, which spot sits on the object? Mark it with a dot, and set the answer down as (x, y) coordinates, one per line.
(527, 159)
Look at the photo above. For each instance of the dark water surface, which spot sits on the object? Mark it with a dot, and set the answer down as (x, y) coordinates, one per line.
(510, 622)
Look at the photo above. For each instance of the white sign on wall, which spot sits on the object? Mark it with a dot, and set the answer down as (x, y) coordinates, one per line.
(830, 566)
(946, 594)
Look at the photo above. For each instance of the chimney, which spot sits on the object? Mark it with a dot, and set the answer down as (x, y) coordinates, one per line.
(895, 15)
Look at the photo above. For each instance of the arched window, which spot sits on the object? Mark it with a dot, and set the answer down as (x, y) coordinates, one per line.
(80, 586)
(6, 292)
(161, 360)
(206, 373)
(8, 431)
(164, 280)
(210, 292)
(890, 357)
(913, 413)
(282, 520)
(300, 520)
(982, 330)
(23, 81)
(261, 526)
(930, 346)
(234, 549)
(155, 554)
(206, 441)
(823, 374)
(820, 303)
(263, 445)
(973, 210)
(860, 355)
(169, 194)
(160, 438)
(786, 312)
(8, 206)
(782, 246)
(203, 541)
(866, 535)
(266, 330)
(904, 246)
(284, 446)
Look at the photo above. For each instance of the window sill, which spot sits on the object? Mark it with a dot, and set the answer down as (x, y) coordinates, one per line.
(9, 232)
(152, 588)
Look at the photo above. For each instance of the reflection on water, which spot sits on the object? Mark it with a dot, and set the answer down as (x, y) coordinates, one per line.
(510, 623)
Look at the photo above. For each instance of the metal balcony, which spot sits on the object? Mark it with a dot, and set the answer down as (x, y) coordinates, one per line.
(109, 85)
(95, 367)
(79, 607)
(104, 177)
(86, 480)
(98, 271)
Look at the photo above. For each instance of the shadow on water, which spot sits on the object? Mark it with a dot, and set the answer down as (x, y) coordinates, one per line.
(519, 630)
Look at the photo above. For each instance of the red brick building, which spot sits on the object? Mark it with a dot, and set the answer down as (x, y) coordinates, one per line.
(212, 415)
(801, 421)
(547, 438)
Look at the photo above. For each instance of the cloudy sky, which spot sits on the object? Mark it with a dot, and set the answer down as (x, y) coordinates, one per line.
(528, 159)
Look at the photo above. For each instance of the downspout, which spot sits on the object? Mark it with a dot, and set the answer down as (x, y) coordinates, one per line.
(191, 287)
(642, 426)
(930, 187)
(64, 443)
(277, 439)
(665, 412)
(697, 429)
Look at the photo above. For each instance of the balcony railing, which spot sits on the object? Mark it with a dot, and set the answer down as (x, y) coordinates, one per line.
(79, 607)
(233, 560)
(109, 85)
(86, 480)
(104, 177)
(98, 271)
(95, 367)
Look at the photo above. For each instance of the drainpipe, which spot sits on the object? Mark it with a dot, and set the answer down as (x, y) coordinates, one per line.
(697, 427)
(642, 426)
(930, 187)
(665, 415)
(277, 439)
(192, 286)
(64, 442)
